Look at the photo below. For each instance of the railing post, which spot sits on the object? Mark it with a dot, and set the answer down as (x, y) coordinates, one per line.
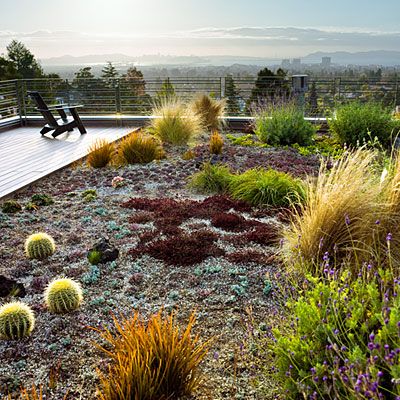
(222, 83)
(23, 91)
(118, 101)
(117, 98)
(18, 96)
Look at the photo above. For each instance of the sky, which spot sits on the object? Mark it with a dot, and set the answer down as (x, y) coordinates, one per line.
(260, 28)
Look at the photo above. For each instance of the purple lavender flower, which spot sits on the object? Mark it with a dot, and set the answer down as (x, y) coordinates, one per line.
(347, 219)
(389, 237)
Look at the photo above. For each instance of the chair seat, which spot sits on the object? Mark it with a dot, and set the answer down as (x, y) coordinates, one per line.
(61, 122)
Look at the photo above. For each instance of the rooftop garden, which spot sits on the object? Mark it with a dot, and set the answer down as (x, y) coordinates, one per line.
(190, 262)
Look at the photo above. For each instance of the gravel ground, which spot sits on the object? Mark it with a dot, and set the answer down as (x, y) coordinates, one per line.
(226, 289)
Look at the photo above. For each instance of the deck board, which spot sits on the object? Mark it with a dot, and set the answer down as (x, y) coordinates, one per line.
(26, 156)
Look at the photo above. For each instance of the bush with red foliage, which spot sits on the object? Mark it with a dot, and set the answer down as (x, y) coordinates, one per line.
(266, 235)
(182, 249)
(168, 214)
(232, 222)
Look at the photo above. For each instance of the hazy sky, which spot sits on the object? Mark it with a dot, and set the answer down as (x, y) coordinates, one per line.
(265, 28)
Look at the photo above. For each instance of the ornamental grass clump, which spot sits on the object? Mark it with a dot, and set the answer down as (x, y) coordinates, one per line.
(39, 246)
(338, 215)
(63, 295)
(261, 187)
(283, 124)
(174, 123)
(211, 179)
(355, 123)
(209, 110)
(153, 360)
(16, 321)
(216, 143)
(100, 153)
(342, 339)
(139, 148)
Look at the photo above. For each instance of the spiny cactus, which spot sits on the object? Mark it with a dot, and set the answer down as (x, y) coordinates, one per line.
(39, 246)
(63, 295)
(16, 320)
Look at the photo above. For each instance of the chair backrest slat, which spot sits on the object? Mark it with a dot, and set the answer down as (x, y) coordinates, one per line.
(42, 106)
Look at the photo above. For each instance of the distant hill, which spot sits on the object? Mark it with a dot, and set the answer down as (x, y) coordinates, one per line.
(378, 57)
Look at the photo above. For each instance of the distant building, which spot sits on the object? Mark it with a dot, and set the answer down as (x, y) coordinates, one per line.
(285, 63)
(326, 62)
(296, 62)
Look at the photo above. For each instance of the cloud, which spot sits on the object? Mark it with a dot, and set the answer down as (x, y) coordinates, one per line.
(246, 41)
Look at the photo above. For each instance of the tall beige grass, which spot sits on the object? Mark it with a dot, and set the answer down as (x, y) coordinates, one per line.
(175, 123)
(209, 110)
(339, 214)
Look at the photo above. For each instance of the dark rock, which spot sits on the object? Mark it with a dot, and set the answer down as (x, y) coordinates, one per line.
(108, 253)
(10, 287)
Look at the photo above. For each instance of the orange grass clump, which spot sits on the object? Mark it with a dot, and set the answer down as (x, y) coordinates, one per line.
(152, 361)
(100, 153)
(216, 143)
(139, 148)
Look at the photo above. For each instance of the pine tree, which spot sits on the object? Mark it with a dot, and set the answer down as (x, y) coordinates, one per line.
(23, 60)
(166, 92)
(268, 87)
(139, 101)
(8, 70)
(135, 82)
(232, 96)
(109, 74)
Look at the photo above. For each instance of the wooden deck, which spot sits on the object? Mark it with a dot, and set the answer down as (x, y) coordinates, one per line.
(26, 156)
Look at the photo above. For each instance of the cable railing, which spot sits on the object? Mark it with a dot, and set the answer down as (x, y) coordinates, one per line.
(136, 96)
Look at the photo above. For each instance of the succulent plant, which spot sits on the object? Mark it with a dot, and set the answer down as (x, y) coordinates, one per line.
(94, 257)
(11, 207)
(42, 199)
(63, 295)
(16, 320)
(39, 246)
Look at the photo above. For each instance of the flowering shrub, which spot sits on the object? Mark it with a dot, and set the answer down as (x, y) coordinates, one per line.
(118, 181)
(344, 340)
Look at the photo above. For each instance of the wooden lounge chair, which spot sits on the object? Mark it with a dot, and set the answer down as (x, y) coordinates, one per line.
(61, 125)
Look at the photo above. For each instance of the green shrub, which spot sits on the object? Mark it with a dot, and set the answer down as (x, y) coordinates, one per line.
(283, 125)
(261, 187)
(39, 246)
(174, 123)
(342, 338)
(211, 179)
(11, 207)
(16, 320)
(63, 295)
(356, 123)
